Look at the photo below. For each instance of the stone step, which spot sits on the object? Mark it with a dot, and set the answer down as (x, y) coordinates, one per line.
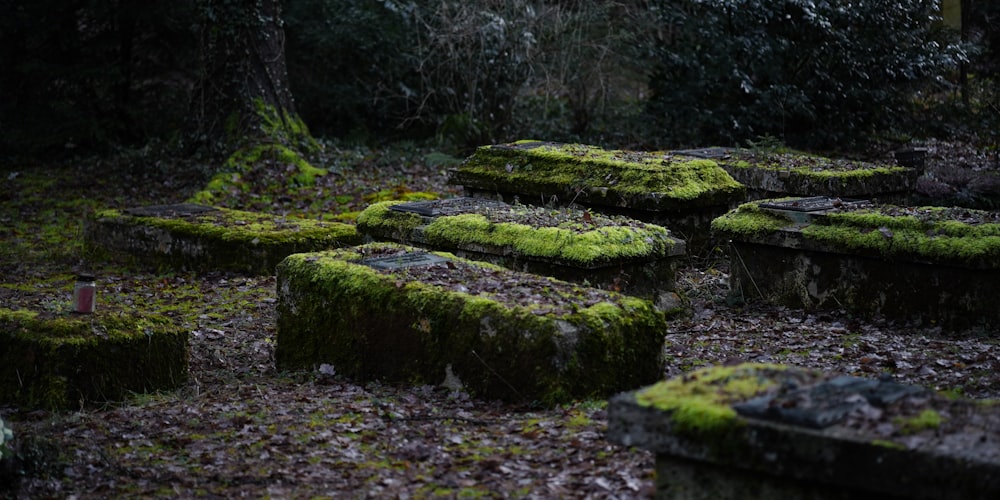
(390, 312)
(196, 237)
(760, 431)
(59, 362)
(937, 265)
(611, 253)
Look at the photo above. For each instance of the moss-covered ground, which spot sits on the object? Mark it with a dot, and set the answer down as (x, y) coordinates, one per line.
(240, 427)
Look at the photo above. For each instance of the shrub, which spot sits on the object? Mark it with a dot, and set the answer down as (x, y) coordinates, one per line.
(813, 73)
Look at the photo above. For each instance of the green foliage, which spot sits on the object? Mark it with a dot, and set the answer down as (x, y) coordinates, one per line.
(812, 73)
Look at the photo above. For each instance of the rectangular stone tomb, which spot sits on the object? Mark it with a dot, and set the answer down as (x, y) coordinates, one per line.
(930, 265)
(197, 237)
(384, 311)
(776, 174)
(58, 362)
(608, 252)
(683, 193)
(760, 431)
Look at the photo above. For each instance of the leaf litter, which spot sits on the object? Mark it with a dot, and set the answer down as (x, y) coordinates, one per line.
(240, 427)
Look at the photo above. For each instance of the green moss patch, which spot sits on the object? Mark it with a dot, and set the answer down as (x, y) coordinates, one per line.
(277, 167)
(608, 252)
(587, 174)
(61, 362)
(925, 234)
(503, 334)
(701, 401)
(750, 220)
(201, 238)
(798, 173)
(572, 237)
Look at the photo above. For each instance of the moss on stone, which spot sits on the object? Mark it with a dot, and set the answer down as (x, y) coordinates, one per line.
(701, 401)
(750, 220)
(374, 325)
(925, 420)
(378, 218)
(810, 165)
(886, 231)
(572, 242)
(64, 361)
(910, 236)
(639, 180)
(229, 239)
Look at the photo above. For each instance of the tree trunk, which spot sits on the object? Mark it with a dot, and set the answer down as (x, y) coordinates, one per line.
(243, 95)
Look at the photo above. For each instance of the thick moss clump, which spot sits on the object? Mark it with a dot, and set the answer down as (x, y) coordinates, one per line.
(63, 362)
(653, 181)
(248, 166)
(749, 220)
(211, 239)
(384, 325)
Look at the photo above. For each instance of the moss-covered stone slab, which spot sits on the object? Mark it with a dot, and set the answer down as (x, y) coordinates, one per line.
(608, 252)
(762, 431)
(770, 174)
(658, 187)
(201, 238)
(58, 362)
(932, 264)
(504, 334)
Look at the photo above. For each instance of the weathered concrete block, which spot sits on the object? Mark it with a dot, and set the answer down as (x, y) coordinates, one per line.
(771, 431)
(777, 174)
(59, 363)
(395, 313)
(611, 253)
(679, 192)
(189, 236)
(938, 265)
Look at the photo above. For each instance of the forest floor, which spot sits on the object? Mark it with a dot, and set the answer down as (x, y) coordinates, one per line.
(241, 427)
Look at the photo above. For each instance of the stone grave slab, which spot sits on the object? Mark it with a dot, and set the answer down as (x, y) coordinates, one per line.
(680, 192)
(201, 238)
(395, 313)
(761, 431)
(608, 252)
(61, 361)
(771, 174)
(932, 265)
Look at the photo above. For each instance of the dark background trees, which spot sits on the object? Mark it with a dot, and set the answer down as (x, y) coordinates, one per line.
(95, 74)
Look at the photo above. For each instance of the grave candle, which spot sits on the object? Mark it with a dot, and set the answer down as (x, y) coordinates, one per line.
(84, 294)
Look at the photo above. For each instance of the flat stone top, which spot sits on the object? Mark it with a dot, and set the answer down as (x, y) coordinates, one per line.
(760, 416)
(400, 264)
(452, 206)
(563, 236)
(798, 163)
(642, 180)
(936, 235)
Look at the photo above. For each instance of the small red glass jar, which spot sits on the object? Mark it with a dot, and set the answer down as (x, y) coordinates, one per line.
(84, 294)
